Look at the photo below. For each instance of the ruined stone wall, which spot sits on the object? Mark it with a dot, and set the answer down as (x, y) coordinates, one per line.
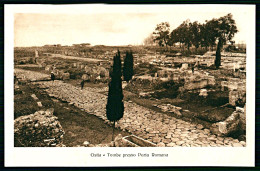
(41, 129)
(234, 124)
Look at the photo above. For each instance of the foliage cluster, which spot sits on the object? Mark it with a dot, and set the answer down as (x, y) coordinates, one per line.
(196, 34)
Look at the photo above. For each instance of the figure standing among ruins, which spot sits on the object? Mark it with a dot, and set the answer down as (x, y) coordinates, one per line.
(196, 65)
(52, 76)
(82, 84)
(15, 78)
(192, 68)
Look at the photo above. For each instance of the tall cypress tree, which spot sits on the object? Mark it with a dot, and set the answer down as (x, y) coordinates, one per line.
(128, 70)
(115, 105)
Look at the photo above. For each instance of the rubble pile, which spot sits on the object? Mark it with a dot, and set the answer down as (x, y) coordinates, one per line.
(41, 129)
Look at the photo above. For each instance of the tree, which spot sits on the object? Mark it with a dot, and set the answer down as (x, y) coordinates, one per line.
(225, 31)
(161, 34)
(174, 37)
(195, 34)
(187, 35)
(149, 41)
(203, 36)
(128, 70)
(182, 34)
(211, 32)
(177, 35)
(115, 105)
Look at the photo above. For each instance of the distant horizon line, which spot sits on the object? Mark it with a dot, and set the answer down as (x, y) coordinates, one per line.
(240, 42)
(72, 45)
(80, 44)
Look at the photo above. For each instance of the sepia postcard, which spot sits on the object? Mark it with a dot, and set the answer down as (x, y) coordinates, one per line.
(87, 84)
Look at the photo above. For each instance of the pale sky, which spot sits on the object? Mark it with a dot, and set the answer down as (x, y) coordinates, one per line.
(112, 25)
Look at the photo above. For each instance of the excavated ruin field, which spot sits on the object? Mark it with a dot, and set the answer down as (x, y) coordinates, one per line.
(161, 129)
(212, 109)
(206, 110)
(166, 102)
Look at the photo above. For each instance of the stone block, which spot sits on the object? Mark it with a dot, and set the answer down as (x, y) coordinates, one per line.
(184, 66)
(39, 104)
(203, 92)
(34, 97)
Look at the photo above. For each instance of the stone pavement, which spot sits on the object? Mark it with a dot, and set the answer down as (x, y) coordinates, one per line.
(159, 128)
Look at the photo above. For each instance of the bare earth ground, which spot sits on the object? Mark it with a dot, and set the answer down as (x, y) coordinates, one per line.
(75, 58)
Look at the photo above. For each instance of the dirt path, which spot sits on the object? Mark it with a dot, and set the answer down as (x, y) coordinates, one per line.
(77, 58)
(161, 129)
